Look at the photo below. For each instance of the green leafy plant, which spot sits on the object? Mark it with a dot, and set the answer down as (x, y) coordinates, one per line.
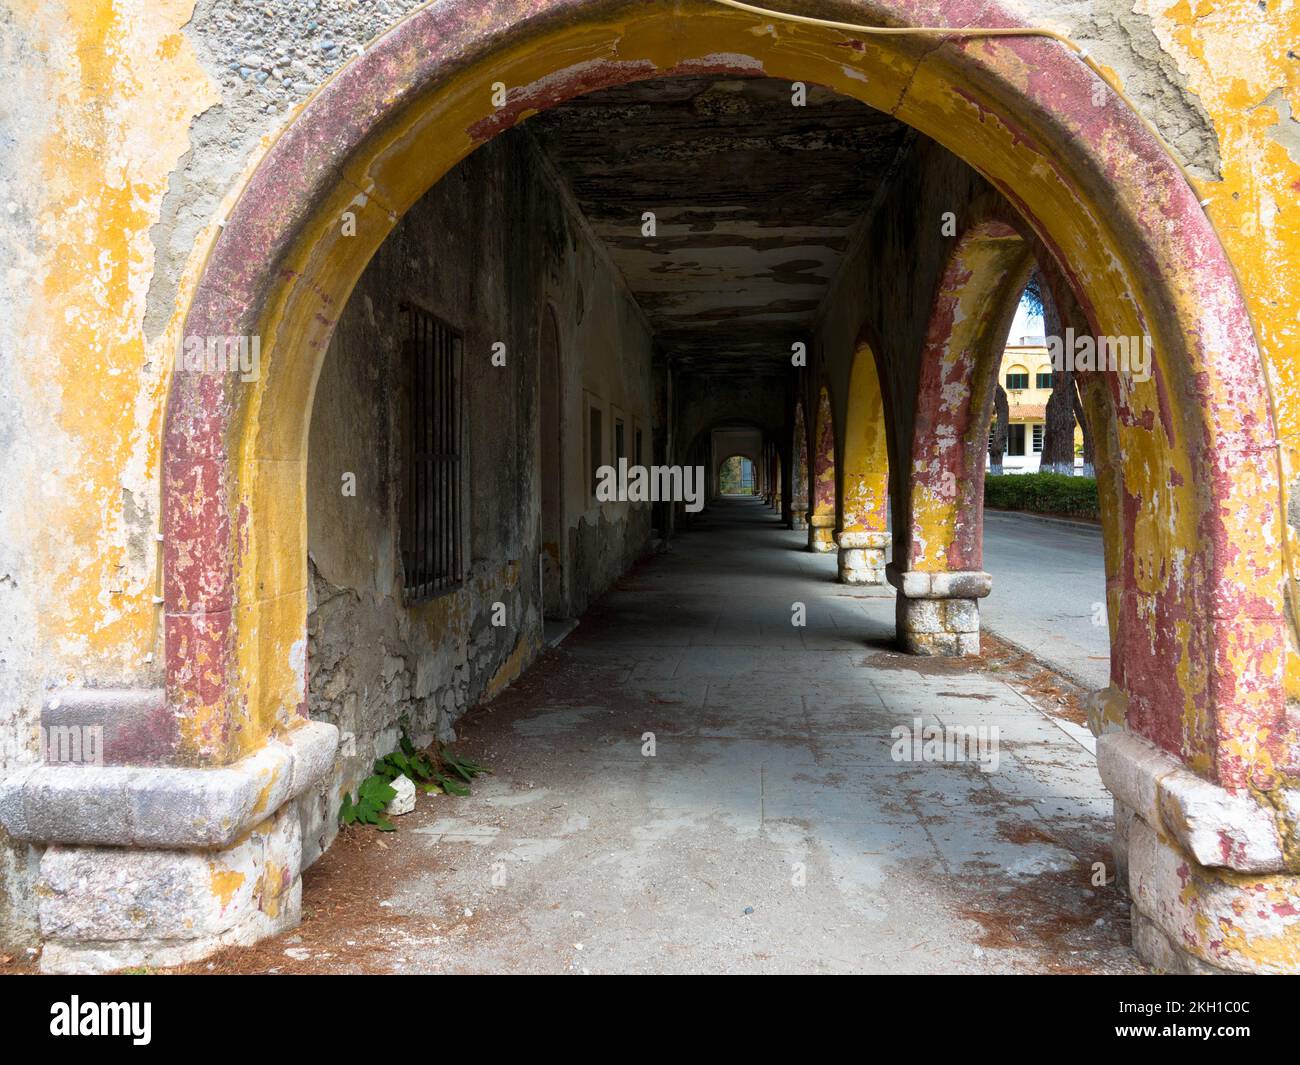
(373, 796)
(448, 774)
(462, 767)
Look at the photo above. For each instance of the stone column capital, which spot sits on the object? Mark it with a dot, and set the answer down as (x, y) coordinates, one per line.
(947, 584)
(170, 807)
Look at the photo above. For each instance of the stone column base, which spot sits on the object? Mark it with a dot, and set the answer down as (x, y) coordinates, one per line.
(1190, 918)
(163, 865)
(821, 533)
(1212, 884)
(938, 613)
(862, 557)
(798, 523)
(107, 908)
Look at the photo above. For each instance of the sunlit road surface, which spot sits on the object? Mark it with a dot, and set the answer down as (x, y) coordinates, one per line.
(1049, 591)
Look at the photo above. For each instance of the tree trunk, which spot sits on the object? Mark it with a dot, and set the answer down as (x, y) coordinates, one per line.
(1089, 467)
(1001, 416)
(1058, 432)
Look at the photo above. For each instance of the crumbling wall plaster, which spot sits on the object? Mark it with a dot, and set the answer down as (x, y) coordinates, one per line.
(127, 126)
(484, 250)
(98, 98)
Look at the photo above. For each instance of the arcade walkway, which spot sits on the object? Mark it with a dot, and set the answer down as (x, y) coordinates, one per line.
(771, 830)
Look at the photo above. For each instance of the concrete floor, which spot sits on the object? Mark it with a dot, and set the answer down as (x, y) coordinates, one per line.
(771, 831)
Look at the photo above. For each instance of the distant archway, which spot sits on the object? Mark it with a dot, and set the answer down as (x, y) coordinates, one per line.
(738, 476)
(822, 511)
(862, 531)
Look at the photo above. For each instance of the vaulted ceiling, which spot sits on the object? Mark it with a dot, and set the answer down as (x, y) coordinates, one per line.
(755, 202)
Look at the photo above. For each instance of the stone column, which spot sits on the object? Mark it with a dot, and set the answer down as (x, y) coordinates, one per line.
(938, 613)
(821, 532)
(146, 863)
(1212, 877)
(862, 556)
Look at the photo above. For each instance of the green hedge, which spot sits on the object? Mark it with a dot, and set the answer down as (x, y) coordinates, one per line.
(1043, 493)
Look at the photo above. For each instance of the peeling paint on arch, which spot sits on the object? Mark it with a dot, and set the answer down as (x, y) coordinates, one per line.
(864, 477)
(823, 458)
(959, 363)
(1195, 585)
(799, 462)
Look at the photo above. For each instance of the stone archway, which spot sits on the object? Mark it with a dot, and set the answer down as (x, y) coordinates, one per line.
(1197, 583)
(822, 492)
(799, 477)
(862, 531)
(938, 547)
(753, 472)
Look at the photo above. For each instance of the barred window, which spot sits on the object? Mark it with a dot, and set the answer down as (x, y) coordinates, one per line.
(595, 446)
(432, 552)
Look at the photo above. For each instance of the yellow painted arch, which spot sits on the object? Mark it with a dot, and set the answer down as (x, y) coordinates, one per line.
(1082, 213)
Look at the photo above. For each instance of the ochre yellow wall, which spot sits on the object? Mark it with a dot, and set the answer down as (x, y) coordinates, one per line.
(1234, 57)
(126, 85)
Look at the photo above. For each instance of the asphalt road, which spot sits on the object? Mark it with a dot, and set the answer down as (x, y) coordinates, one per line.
(1049, 592)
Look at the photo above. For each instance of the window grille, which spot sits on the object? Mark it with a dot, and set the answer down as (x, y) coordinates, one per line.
(431, 532)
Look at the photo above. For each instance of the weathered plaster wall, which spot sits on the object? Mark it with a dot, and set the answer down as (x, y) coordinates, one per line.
(485, 250)
(93, 120)
(126, 126)
(607, 356)
(264, 61)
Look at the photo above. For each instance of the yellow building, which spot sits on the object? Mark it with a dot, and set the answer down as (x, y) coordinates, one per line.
(1026, 374)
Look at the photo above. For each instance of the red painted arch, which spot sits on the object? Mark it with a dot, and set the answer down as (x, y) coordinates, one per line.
(1039, 87)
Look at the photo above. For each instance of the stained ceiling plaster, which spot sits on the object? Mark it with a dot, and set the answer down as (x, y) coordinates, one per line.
(755, 202)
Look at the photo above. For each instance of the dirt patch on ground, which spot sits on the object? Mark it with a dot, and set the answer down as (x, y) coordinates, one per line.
(1054, 694)
(1060, 911)
(896, 661)
(343, 929)
(18, 963)
(1048, 690)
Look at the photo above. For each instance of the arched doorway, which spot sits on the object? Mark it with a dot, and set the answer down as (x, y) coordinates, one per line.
(1200, 642)
(863, 526)
(737, 476)
(821, 512)
(942, 478)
